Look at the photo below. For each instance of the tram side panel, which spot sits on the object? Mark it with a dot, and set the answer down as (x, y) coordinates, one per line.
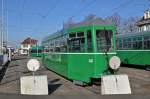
(135, 57)
(134, 48)
(57, 63)
(87, 67)
(81, 67)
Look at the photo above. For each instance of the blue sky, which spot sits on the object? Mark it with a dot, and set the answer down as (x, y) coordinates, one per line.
(38, 18)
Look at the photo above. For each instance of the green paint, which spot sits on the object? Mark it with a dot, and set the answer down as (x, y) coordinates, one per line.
(80, 66)
(133, 48)
(134, 57)
(36, 51)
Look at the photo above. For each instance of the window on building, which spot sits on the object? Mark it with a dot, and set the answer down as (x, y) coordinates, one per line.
(25, 51)
(25, 45)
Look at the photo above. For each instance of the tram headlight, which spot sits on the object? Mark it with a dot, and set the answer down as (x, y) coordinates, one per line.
(114, 62)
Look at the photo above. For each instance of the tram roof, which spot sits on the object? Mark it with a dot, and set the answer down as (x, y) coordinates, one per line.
(133, 34)
(97, 21)
(85, 23)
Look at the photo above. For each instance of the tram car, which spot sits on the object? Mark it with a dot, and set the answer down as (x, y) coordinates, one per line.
(134, 49)
(36, 51)
(81, 52)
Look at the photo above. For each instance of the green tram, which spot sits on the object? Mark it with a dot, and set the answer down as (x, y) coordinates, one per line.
(81, 52)
(36, 51)
(134, 48)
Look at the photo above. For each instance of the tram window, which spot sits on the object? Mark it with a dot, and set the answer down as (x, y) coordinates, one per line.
(52, 44)
(119, 43)
(32, 51)
(129, 43)
(76, 45)
(125, 45)
(63, 48)
(137, 43)
(80, 34)
(104, 40)
(146, 42)
(57, 49)
(72, 35)
(146, 37)
(46, 50)
(39, 51)
(36, 51)
(50, 50)
(89, 41)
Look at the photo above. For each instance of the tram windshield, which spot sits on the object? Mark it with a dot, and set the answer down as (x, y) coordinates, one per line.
(104, 40)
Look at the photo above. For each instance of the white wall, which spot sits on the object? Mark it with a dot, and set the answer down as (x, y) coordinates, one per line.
(147, 14)
(25, 48)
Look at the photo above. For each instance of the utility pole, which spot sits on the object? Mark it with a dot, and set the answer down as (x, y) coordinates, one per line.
(2, 27)
(0, 36)
(6, 28)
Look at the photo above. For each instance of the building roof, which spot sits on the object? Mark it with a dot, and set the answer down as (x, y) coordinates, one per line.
(29, 41)
(143, 22)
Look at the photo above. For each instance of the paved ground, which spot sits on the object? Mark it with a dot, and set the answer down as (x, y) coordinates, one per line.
(57, 84)
(139, 80)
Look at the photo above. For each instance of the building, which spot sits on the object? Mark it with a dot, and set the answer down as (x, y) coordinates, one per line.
(26, 45)
(144, 23)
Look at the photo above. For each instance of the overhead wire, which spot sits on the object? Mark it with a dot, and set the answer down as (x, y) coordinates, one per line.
(52, 9)
(22, 15)
(48, 12)
(83, 8)
(125, 4)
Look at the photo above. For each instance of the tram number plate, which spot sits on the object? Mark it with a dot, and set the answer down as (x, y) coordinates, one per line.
(34, 85)
(115, 84)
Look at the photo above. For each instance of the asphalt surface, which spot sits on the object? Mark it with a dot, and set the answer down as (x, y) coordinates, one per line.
(57, 85)
(10, 80)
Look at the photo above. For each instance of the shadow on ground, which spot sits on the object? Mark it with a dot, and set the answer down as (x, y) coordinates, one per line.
(3, 71)
(134, 66)
(52, 87)
(15, 59)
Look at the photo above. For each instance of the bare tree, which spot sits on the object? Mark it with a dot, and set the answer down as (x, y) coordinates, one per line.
(90, 17)
(116, 20)
(129, 25)
(69, 22)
